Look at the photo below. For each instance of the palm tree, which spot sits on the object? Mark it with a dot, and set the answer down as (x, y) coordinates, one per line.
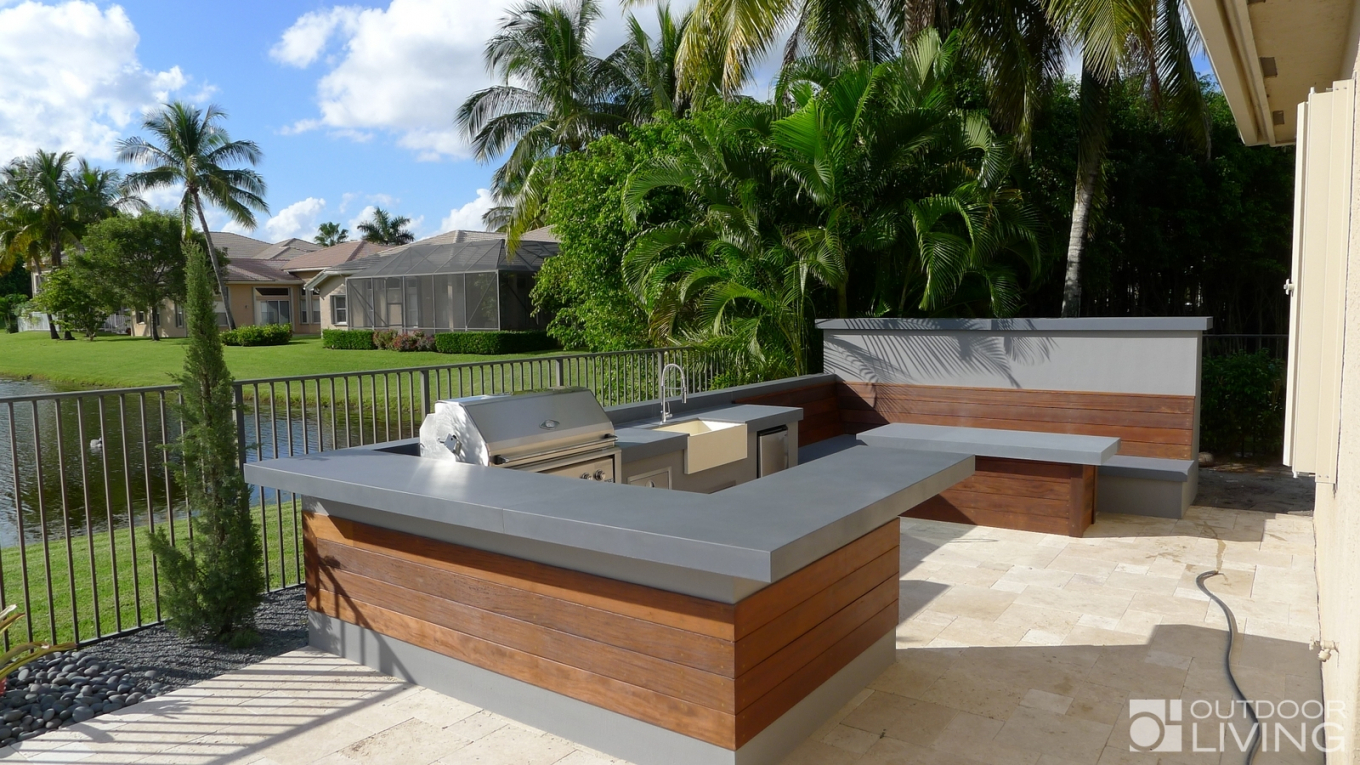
(330, 234)
(46, 205)
(562, 97)
(1144, 39)
(191, 147)
(382, 228)
(648, 67)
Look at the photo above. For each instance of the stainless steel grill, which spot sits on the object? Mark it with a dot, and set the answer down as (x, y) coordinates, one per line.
(563, 431)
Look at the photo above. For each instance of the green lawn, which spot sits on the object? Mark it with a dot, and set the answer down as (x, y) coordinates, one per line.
(117, 361)
(41, 616)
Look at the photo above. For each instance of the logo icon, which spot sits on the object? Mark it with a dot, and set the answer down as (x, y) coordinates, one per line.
(1154, 725)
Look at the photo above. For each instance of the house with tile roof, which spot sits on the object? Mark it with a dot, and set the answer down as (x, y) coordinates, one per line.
(458, 280)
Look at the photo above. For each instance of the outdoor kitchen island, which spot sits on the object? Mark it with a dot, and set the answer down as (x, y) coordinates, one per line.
(654, 626)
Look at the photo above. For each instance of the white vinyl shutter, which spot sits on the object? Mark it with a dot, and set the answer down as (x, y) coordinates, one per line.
(1322, 213)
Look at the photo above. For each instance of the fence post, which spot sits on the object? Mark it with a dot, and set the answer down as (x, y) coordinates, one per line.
(425, 405)
(557, 372)
(239, 412)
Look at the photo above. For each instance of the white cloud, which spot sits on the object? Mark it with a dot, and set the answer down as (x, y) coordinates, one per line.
(469, 216)
(404, 70)
(72, 81)
(363, 215)
(305, 41)
(298, 220)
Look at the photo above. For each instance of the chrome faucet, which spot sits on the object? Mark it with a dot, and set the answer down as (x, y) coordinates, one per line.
(684, 390)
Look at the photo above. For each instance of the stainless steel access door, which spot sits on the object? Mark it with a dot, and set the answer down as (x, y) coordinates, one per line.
(772, 451)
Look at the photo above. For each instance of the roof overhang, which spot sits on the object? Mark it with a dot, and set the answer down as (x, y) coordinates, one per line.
(1309, 44)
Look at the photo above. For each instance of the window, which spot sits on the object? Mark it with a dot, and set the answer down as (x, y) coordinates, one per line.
(309, 308)
(275, 312)
(179, 315)
(339, 310)
(141, 317)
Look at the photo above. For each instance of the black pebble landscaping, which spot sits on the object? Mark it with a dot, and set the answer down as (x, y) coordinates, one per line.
(67, 688)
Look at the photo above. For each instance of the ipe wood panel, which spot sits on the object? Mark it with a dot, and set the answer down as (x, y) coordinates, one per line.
(1049, 497)
(1147, 425)
(717, 672)
(821, 410)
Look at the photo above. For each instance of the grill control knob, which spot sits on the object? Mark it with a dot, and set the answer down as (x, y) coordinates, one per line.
(599, 475)
(585, 476)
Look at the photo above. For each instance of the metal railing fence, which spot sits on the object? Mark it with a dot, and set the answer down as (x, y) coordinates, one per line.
(87, 476)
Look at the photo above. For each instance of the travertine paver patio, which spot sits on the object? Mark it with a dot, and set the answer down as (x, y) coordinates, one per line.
(1014, 648)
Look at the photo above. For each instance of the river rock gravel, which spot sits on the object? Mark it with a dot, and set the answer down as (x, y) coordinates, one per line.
(73, 687)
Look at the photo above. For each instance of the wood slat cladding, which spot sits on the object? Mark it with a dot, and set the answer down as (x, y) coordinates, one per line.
(821, 410)
(1147, 426)
(716, 672)
(1048, 497)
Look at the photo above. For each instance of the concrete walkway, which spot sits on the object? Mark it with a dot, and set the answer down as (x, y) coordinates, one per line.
(1014, 648)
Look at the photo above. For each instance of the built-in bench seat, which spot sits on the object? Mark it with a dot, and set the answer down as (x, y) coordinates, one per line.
(1147, 486)
(1025, 480)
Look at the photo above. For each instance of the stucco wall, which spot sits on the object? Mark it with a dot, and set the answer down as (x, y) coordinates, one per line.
(1102, 356)
(1336, 516)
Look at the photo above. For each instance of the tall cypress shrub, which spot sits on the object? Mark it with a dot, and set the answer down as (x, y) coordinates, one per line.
(212, 583)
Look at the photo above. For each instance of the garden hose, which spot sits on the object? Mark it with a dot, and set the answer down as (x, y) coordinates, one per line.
(1227, 665)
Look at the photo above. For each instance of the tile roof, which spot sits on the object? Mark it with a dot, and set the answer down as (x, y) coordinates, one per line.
(238, 246)
(249, 270)
(344, 252)
(286, 250)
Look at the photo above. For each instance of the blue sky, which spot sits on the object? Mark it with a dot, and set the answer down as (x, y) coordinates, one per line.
(352, 104)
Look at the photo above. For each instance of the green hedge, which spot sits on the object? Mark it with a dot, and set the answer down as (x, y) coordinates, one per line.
(1242, 408)
(347, 339)
(258, 334)
(493, 343)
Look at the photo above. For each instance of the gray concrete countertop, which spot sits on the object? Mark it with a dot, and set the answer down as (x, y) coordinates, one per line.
(760, 531)
(987, 442)
(1084, 324)
(639, 441)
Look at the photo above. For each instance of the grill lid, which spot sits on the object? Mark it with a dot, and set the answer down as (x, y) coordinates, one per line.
(495, 430)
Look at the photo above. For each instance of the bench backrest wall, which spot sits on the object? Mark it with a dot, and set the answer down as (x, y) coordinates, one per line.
(1134, 379)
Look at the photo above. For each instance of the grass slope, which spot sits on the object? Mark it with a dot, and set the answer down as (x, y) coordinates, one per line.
(29, 569)
(119, 361)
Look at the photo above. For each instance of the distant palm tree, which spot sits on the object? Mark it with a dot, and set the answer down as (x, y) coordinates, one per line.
(383, 228)
(330, 234)
(46, 205)
(192, 148)
(561, 99)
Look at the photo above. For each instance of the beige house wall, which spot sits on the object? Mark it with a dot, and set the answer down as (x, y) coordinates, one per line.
(1336, 516)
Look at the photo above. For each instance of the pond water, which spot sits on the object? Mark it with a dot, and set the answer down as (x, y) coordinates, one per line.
(75, 465)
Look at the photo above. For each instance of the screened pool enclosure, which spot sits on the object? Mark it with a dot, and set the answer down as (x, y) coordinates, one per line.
(472, 285)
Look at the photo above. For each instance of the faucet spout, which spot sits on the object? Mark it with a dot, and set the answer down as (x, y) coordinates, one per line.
(664, 390)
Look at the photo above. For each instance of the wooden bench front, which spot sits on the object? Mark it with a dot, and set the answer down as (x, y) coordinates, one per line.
(1047, 497)
(1147, 425)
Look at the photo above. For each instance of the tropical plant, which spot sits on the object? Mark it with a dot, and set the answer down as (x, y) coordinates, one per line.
(729, 278)
(190, 147)
(212, 581)
(907, 190)
(79, 297)
(142, 257)
(582, 286)
(384, 228)
(23, 653)
(46, 202)
(9, 310)
(330, 234)
(553, 97)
